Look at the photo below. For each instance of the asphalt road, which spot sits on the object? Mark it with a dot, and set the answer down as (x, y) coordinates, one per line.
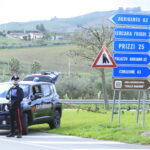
(45, 141)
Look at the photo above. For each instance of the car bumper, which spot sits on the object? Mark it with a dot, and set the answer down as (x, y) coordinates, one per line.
(4, 120)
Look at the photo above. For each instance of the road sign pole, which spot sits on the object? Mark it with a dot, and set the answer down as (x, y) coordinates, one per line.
(113, 106)
(144, 102)
(138, 109)
(119, 108)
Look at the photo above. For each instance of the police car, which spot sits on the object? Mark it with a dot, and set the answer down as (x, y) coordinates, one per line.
(40, 104)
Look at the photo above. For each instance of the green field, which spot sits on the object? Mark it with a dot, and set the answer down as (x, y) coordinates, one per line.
(51, 58)
(98, 126)
(4, 40)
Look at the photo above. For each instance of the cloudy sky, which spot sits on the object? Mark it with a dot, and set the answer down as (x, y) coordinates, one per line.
(29, 10)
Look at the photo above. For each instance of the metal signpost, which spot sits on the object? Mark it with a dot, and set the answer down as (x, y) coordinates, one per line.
(131, 48)
(104, 59)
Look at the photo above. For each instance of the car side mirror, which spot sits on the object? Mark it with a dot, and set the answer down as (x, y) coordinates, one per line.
(32, 97)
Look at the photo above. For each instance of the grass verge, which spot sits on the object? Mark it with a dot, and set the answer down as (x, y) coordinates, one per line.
(98, 126)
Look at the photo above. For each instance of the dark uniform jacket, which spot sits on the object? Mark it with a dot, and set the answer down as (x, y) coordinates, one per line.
(15, 95)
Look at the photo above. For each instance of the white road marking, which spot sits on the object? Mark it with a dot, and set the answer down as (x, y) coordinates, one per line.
(53, 136)
(27, 143)
(70, 142)
(108, 149)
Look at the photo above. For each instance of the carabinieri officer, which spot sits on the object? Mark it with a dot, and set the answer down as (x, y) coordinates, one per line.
(15, 95)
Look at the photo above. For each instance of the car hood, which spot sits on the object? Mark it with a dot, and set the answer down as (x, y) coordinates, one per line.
(4, 101)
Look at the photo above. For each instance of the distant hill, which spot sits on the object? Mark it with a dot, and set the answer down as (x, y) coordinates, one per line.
(63, 24)
(68, 24)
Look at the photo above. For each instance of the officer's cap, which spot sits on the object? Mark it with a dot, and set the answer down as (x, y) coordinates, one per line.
(15, 78)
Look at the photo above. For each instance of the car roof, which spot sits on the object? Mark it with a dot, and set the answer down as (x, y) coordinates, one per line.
(48, 76)
(33, 83)
(27, 83)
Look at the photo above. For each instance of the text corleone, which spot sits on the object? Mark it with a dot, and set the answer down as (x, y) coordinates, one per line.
(130, 71)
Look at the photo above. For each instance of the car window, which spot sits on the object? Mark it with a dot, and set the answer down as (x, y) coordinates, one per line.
(46, 90)
(36, 89)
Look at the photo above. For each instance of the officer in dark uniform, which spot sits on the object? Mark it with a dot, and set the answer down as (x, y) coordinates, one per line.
(15, 95)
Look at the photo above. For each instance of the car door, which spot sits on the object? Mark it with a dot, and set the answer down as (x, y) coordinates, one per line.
(47, 101)
(36, 103)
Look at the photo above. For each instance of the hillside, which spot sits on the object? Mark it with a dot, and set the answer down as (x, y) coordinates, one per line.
(63, 24)
(70, 24)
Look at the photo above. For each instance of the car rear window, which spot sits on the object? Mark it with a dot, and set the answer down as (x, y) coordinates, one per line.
(38, 79)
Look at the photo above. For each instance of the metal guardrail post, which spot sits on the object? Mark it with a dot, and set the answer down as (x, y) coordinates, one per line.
(138, 108)
(113, 106)
(119, 107)
(144, 102)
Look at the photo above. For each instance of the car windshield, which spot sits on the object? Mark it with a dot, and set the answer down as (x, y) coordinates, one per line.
(4, 87)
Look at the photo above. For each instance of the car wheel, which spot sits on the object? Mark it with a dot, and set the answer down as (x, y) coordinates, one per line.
(55, 122)
(25, 124)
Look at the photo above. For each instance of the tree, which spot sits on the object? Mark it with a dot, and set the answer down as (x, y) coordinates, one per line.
(91, 41)
(35, 67)
(14, 66)
(41, 28)
(47, 35)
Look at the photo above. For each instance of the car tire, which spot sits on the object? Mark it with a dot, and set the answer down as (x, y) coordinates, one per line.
(55, 122)
(25, 124)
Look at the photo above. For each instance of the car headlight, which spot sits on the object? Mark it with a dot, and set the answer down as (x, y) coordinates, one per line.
(6, 108)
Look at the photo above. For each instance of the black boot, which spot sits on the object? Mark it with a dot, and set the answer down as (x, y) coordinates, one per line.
(19, 136)
(11, 134)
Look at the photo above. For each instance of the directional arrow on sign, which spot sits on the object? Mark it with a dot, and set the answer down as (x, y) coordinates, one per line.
(131, 72)
(131, 33)
(132, 59)
(131, 19)
(131, 46)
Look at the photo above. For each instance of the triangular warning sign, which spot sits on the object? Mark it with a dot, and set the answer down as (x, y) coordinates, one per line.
(104, 59)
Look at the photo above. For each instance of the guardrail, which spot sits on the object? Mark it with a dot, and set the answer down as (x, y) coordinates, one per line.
(95, 101)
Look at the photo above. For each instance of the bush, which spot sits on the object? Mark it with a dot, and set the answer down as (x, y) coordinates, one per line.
(87, 87)
(78, 87)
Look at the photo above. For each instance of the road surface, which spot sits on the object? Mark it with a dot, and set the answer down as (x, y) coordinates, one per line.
(45, 141)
